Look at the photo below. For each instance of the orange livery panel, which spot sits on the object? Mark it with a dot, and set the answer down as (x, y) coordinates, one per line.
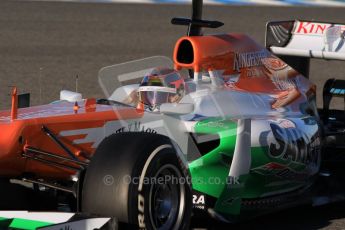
(26, 131)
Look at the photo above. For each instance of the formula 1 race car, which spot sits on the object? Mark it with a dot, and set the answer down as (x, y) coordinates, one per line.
(229, 129)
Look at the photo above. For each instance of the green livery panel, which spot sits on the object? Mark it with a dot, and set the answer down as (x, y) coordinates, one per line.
(279, 164)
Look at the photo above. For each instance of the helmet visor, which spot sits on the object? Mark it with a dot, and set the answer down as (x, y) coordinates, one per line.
(155, 95)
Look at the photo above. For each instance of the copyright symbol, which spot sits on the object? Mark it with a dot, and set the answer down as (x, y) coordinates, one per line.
(127, 179)
(108, 180)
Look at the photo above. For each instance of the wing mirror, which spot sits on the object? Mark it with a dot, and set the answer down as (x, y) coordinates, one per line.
(176, 108)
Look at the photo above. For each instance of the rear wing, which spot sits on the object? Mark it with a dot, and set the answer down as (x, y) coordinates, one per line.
(298, 41)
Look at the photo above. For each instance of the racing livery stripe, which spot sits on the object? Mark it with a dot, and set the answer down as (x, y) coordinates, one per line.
(31, 220)
(47, 217)
(29, 224)
(24, 224)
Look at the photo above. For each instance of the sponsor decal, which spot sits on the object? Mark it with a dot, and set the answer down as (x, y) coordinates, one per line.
(255, 72)
(199, 201)
(279, 170)
(213, 124)
(274, 63)
(333, 39)
(136, 126)
(141, 211)
(249, 59)
(292, 148)
(313, 28)
(283, 84)
(96, 135)
(292, 144)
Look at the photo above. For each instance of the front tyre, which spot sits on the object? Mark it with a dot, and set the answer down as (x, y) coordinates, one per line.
(139, 179)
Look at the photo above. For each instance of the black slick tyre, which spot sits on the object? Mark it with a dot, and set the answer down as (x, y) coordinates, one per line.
(139, 179)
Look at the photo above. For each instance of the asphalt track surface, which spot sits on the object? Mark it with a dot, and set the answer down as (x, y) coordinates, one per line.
(48, 44)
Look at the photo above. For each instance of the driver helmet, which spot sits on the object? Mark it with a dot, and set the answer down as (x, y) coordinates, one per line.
(161, 85)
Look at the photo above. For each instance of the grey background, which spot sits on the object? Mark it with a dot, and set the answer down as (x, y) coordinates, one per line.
(48, 44)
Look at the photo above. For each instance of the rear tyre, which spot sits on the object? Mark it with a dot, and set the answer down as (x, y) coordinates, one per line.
(139, 179)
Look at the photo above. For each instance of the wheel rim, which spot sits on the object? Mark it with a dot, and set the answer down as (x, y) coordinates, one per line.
(167, 199)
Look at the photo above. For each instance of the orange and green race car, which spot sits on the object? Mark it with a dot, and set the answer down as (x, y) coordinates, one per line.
(228, 129)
